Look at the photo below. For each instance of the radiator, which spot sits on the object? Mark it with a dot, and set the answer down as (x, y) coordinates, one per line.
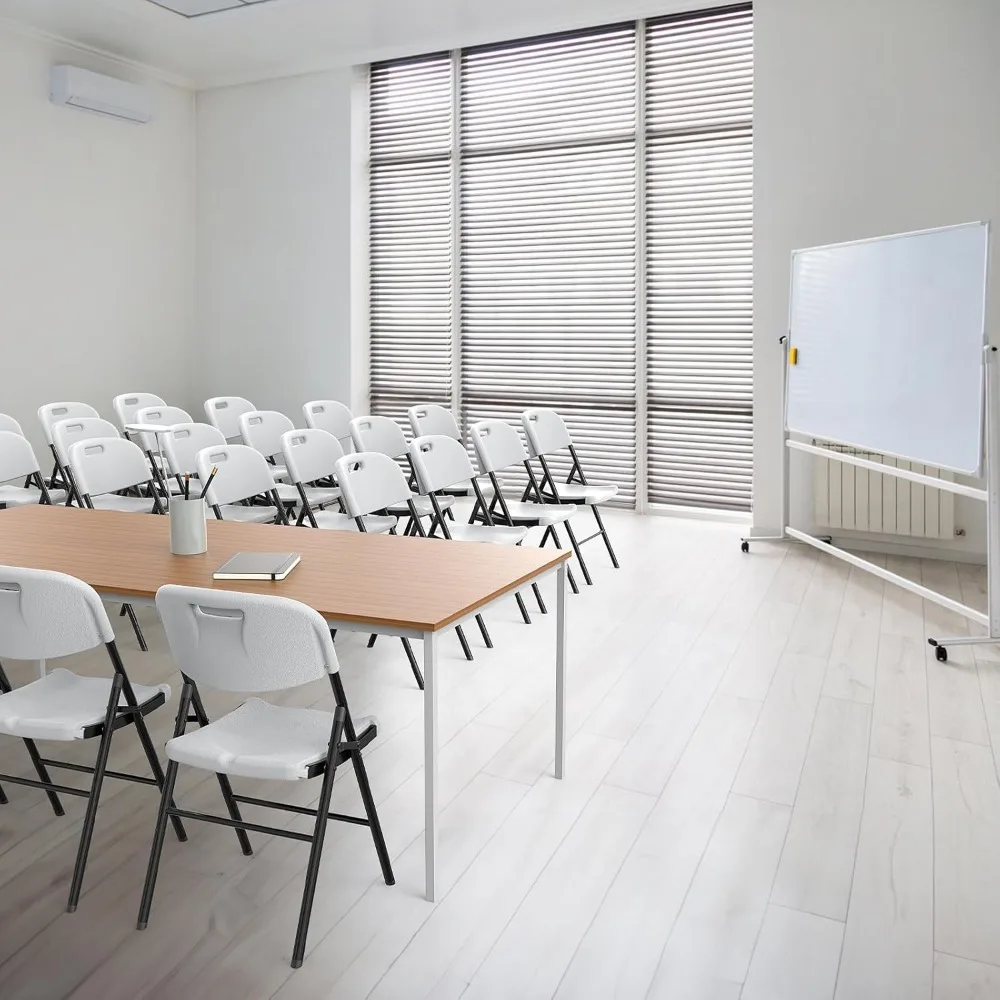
(860, 500)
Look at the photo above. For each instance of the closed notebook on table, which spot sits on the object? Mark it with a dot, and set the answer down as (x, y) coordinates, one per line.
(258, 566)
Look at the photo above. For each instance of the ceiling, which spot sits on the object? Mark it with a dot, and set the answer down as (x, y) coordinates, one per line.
(282, 37)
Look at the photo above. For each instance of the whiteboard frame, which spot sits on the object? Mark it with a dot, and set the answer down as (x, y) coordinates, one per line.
(979, 470)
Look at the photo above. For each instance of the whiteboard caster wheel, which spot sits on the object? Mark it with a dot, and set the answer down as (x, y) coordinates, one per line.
(941, 654)
(744, 546)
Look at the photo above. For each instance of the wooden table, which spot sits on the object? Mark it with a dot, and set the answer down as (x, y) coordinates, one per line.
(413, 587)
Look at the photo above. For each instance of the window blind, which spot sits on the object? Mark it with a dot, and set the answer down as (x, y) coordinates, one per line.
(699, 259)
(548, 239)
(410, 235)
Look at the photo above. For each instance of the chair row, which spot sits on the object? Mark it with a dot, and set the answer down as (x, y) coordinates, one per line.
(242, 643)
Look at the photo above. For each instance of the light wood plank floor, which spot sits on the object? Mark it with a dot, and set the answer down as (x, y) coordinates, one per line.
(774, 792)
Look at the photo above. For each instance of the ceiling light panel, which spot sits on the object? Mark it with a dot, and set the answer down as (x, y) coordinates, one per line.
(198, 8)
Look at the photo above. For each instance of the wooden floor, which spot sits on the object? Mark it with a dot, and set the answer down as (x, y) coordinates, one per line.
(773, 792)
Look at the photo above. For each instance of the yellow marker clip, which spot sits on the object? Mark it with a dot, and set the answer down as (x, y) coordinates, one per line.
(793, 355)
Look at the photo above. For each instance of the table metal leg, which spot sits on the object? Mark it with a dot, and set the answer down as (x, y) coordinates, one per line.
(430, 762)
(561, 669)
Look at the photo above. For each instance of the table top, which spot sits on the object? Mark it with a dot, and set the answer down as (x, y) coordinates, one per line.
(424, 584)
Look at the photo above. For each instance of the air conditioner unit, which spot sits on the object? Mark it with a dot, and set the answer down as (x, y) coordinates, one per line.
(104, 95)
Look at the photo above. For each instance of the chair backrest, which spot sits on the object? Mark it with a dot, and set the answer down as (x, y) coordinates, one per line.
(371, 481)
(497, 445)
(262, 429)
(44, 615)
(310, 454)
(243, 473)
(106, 465)
(128, 405)
(167, 416)
(381, 434)
(52, 413)
(65, 433)
(244, 642)
(8, 423)
(439, 462)
(329, 415)
(224, 412)
(17, 458)
(545, 431)
(182, 443)
(433, 419)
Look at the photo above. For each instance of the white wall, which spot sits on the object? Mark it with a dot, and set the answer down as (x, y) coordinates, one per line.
(96, 240)
(871, 117)
(274, 241)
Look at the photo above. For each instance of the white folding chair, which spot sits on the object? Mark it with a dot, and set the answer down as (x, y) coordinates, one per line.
(49, 415)
(382, 435)
(242, 476)
(440, 462)
(43, 616)
(181, 445)
(547, 434)
(310, 456)
(498, 447)
(18, 462)
(128, 405)
(262, 430)
(333, 417)
(224, 413)
(66, 433)
(252, 643)
(103, 468)
(165, 416)
(373, 483)
(8, 423)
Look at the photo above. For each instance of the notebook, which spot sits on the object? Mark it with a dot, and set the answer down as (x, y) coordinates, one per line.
(258, 566)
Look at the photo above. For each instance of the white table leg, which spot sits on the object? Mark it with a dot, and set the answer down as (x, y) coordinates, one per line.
(41, 668)
(430, 762)
(561, 670)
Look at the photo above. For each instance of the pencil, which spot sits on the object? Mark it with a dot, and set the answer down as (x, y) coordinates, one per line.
(208, 483)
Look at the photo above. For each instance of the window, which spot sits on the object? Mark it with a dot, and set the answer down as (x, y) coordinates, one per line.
(566, 222)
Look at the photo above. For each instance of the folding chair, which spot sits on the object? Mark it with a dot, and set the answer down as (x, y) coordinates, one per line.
(252, 643)
(384, 436)
(45, 615)
(66, 433)
(547, 433)
(373, 483)
(17, 462)
(262, 429)
(224, 412)
(243, 476)
(166, 416)
(128, 405)
(49, 415)
(181, 445)
(498, 447)
(440, 462)
(311, 455)
(333, 417)
(8, 423)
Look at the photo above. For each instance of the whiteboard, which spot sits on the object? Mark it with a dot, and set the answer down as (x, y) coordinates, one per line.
(889, 335)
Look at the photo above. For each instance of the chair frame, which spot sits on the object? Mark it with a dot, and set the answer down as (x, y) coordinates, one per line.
(339, 752)
(115, 718)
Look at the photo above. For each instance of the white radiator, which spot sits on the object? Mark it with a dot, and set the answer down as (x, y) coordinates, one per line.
(860, 500)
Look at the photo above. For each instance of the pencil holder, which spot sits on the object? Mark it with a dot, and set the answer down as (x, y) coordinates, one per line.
(188, 534)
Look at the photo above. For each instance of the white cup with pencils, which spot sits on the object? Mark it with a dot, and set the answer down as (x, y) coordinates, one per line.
(188, 531)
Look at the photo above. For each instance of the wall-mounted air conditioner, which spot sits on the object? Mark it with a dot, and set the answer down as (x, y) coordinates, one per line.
(104, 95)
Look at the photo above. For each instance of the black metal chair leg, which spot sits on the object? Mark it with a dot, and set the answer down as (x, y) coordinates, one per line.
(413, 663)
(569, 571)
(466, 648)
(524, 610)
(484, 632)
(538, 599)
(319, 836)
(157, 848)
(579, 554)
(43, 775)
(371, 640)
(130, 611)
(121, 613)
(3, 797)
(87, 833)
(604, 535)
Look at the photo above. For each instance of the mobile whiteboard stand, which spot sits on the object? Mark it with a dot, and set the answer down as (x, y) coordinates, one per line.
(990, 495)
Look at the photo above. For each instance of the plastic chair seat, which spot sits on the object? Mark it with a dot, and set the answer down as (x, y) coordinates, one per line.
(21, 496)
(376, 524)
(320, 496)
(536, 513)
(261, 740)
(578, 493)
(422, 505)
(132, 505)
(485, 487)
(61, 705)
(248, 515)
(498, 534)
